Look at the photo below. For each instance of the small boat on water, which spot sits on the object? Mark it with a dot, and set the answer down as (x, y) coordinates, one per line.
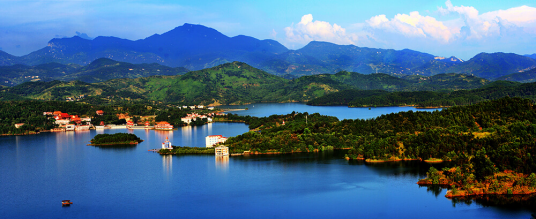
(66, 203)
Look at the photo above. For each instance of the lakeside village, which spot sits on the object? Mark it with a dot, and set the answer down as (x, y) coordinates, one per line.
(65, 122)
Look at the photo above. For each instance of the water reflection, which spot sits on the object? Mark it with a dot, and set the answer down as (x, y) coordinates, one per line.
(506, 202)
(222, 162)
(435, 189)
(399, 168)
(123, 147)
(163, 135)
(187, 135)
(167, 165)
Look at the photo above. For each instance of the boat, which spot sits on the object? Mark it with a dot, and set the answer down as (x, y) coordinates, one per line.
(66, 202)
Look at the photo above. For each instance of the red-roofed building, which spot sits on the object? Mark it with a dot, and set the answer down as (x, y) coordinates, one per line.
(100, 112)
(163, 125)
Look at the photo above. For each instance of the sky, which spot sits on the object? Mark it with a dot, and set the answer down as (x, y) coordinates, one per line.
(442, 28)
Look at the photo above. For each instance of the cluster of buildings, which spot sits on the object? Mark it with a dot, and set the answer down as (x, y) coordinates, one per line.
(75, 98)
(196, 107)
(190, 117)
(68, 122)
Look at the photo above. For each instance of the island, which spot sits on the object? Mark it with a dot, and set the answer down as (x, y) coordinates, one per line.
(117, 139)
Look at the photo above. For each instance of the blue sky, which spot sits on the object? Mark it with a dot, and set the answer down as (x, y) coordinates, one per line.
(443, 28)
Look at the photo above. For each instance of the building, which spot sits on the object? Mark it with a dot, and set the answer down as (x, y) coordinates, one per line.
(211, 140)
(82, 128)
(62, 121)
(221, 151)
(100, 112)
(167, 144)
(187, 119)
(18, 125)
(163, 126)
(70, 127)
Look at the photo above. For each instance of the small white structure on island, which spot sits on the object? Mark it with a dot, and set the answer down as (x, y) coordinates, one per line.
(221, 151)
(211, 140)
(167, 144)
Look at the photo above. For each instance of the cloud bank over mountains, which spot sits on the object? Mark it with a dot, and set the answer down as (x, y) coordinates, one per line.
(451, 30)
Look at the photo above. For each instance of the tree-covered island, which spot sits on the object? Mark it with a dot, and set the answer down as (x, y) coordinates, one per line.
(488, 147)
(115, 139)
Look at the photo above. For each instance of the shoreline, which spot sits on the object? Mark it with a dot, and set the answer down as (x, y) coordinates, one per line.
(114, 144)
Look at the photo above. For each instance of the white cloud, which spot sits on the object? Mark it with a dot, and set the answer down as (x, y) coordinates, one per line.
(465, 32)
(308, 30)
(413, 25)
(491, 24)
(273, 34)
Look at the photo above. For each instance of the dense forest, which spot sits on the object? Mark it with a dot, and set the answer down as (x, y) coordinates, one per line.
(480, 139)
(371, 98)
(114, 139)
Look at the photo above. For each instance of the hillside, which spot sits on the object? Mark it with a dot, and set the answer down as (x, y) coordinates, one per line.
(523, 77)
(491, 91)
(494, 65)
(230, 83)
(102, 69)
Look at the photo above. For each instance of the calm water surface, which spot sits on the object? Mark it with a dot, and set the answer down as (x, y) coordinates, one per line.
(39, 171)
(341, 112)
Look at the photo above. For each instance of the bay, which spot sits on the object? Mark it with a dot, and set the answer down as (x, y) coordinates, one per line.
(38, 171)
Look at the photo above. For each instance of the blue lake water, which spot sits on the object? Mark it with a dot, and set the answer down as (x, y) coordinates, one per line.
(341, 112)
(38, 171)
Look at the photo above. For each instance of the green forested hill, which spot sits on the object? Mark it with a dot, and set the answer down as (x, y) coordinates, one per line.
(523, 77)
(495, 90)
(231, 83)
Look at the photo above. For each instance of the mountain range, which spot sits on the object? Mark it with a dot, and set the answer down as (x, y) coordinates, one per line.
(230, 83)
(197, 47)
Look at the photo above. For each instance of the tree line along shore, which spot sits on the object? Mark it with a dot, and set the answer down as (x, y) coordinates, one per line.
(483, 144)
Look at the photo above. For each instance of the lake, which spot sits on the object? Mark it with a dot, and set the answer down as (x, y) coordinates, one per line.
(38, 171)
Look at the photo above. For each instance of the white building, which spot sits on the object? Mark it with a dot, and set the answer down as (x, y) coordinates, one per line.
(221, 151)
(167, 144)
(211, 140)
(62, 121)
